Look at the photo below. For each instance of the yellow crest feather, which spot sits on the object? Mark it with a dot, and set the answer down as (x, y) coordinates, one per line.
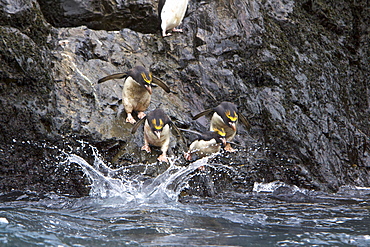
(147, 80)
(159, 126)
(221, 131)
(228, 115)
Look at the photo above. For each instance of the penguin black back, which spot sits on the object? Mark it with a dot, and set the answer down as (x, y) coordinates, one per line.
(209, 135)
(160, 7)
(217, 134)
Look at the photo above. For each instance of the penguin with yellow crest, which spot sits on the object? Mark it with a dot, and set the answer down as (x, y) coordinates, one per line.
(157, 132)
(206, 144)
(225, 116)
(137, 90)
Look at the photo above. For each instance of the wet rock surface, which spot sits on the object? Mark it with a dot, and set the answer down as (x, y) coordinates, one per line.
(297, 69)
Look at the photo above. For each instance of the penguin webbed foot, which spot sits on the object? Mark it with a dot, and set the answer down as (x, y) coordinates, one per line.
(187, 156)
(202, 168)
(177, 30)
(162, 158)
(130, 119)
(166, 34)
(141, 114)
(228, 148)
(146, 148)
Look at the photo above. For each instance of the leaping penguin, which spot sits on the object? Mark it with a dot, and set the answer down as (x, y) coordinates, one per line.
(225, 117)
(171, 13)
(157, 132)
(206, 144)
(137, 90)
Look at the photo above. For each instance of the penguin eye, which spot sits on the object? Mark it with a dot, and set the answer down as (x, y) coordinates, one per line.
(232, 118)
(146, 79)
(159, 126)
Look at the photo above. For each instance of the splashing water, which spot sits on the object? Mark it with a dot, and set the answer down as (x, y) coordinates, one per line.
(134, 209)
(165, 187)
(129, 207)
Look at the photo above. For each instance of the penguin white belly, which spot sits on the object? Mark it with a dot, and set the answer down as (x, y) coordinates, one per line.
(164, 139)
(218, 122)
(172, 13)
(134, 96)
(204, 148)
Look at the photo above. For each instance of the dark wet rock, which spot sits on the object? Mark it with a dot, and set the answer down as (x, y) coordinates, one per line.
(140, 16)
(298, 69)
(27, 17)
(290, 194)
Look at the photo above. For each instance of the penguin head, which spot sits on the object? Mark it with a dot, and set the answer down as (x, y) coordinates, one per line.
(157, 120)
(232, 118)
(142, 76)
(228, 112)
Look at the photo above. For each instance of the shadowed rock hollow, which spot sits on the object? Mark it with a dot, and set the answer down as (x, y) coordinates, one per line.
(297, 69)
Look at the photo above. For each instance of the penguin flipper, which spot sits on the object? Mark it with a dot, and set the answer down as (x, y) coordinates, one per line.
(111, 77)
(191, 131)
(203, 113)
(245, 121)
(137, 125)
(161, 84)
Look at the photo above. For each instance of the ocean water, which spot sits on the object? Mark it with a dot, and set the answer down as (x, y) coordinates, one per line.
(130, 211)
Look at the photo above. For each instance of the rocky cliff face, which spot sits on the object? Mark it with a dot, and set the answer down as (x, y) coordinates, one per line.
(297, 69)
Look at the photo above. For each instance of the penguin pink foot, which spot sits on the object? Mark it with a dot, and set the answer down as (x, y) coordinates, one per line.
(166, 34)
(141, 114)
(187, 156)
(146, 148)
(228, 148)
(162, 158)
(177, 30)
(130, 119)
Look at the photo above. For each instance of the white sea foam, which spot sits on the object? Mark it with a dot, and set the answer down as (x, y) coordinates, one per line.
(165, 187)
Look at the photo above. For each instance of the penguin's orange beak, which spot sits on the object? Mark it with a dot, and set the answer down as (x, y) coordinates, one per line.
(233, 125)
(148, 88)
